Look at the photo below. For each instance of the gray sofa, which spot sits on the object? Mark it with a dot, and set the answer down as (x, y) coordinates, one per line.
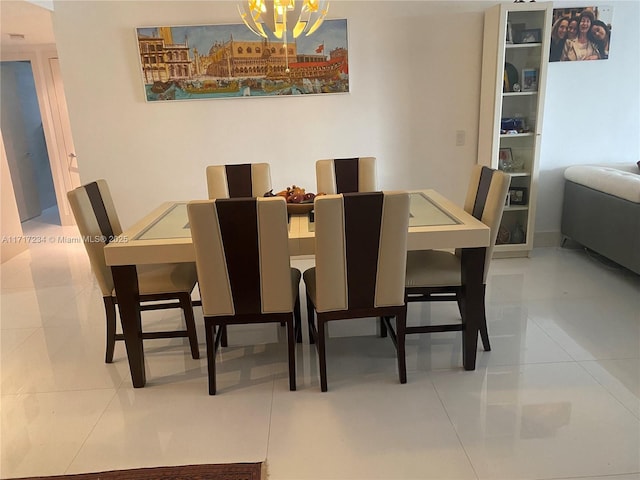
(601, 211)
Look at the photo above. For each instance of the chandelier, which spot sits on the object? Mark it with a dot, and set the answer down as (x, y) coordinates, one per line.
(277, 15)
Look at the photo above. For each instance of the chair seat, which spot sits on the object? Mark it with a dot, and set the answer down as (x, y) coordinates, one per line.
(432, 268)
(166, 278)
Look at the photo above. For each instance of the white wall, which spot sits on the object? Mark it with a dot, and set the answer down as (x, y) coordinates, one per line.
(414, 76)
(592, 112)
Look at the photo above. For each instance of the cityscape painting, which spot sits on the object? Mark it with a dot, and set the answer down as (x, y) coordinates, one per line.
(225, 61)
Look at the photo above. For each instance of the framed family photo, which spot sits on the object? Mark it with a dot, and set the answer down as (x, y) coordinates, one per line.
(594, 37)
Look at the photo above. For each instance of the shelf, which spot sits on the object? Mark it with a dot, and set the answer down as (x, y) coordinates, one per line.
(516, 208)
(523, 45)
(519, 94)
(515, 135)
(518, 174)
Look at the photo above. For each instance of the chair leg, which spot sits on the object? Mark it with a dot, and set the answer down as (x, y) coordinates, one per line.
(292, 359)
(110, 314)
(401, 331)
(383, 327)
(187, 308)
(224, 341)
(310, 320)
(209, 327)
(322, 357)
(484, 332)
(297, 315)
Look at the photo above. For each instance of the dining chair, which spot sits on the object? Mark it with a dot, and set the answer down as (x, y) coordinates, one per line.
(346, 175)
(242, 180)
(166, 285)
(435, 275)
(244, 272)
(361, 246)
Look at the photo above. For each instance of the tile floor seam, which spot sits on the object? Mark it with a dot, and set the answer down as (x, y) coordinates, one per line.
(35, 330)
(115, 393)
(574, 359)
(553, 340)
(273, 390)
(460, 442)
(608, 390)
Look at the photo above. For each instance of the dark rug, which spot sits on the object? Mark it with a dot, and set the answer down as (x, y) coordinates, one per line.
(230, 471)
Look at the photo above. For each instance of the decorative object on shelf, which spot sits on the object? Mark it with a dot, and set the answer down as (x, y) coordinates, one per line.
(510, 77)
(504, 236)
(521, 125)
(518, 195)
(222, 61)
(516, 30)
(509, 34)
(518, 164)
(531, 35)
(529, 79)
(278, 16)
(518, 235)
(516, 87)
(512, 125)
(505, 159)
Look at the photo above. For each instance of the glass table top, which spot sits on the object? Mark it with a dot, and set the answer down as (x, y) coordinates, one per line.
(174, 223)
(423, 212)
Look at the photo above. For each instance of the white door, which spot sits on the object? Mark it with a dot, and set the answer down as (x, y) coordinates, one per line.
(68, 161)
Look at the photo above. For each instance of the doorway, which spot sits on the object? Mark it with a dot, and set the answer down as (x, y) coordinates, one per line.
(63, 165)
(25, 143)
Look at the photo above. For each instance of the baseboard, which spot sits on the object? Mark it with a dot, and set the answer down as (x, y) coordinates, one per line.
(547, 239)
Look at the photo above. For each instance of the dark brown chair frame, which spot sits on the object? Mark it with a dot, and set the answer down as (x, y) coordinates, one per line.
(183, 301)
(216, 335)
(386, 313)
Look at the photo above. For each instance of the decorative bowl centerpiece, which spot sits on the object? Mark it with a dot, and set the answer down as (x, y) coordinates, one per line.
(298, 200)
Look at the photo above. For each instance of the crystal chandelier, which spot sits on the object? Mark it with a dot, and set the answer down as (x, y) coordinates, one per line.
(277, 15)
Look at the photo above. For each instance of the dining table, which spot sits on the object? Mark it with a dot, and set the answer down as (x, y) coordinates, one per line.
(163, 236)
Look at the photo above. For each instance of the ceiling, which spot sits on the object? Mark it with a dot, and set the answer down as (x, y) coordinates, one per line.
(25, 18)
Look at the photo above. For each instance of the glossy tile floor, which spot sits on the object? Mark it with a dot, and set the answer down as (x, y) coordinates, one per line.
(556, 398)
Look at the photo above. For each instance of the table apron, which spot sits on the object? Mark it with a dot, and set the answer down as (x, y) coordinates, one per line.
(447, 239)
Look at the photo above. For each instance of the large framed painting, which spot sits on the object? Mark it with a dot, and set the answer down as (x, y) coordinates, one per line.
(580, 33)
(230, 61)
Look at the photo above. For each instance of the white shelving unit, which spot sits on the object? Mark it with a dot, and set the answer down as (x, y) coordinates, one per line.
(499, 100)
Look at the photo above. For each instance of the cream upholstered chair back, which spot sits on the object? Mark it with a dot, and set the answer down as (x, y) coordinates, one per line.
(346, 175)
(361, 250)
(98, 223)
(493, 209)
(234, 181)
(485, 200)
(242, 255)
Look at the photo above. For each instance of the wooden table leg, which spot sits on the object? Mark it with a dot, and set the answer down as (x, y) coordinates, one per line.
(125, 279)
(472, 283)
